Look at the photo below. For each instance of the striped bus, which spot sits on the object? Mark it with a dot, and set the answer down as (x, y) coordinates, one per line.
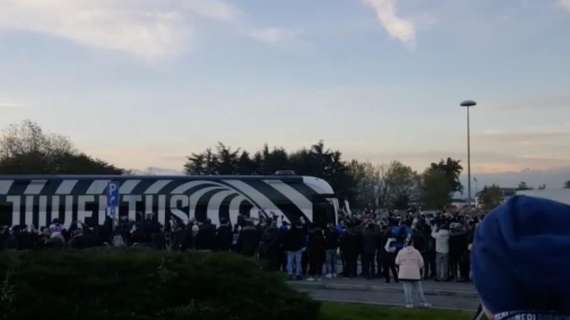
(36, 200)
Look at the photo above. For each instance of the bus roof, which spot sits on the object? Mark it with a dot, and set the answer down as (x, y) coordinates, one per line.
(174, 177)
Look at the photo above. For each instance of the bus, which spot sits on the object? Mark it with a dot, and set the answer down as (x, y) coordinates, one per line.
(36, 200)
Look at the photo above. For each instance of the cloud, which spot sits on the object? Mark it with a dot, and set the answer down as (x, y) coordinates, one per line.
(397, 27)
(564, 4)
(149, 29)
(273, 36)
(523, 137)
(212, 9)
(554, 178)
(544, 101)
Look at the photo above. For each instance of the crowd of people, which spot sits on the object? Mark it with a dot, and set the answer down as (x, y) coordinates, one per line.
(373, 241)
(360, 245)
(406, 247)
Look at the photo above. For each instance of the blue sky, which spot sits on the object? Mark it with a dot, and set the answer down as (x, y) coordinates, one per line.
(146, 82)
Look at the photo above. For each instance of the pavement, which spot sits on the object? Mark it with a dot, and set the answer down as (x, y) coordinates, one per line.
(442, 295)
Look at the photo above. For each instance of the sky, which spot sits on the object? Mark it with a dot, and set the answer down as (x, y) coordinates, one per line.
(144, 83)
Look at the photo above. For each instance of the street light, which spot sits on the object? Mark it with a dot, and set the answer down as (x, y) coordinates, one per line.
(468, 104)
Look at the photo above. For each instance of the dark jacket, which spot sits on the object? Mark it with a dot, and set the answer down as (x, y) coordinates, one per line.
(350, 243)
(270, 242)
(317, 244)
(224, 237)
(370, 240)
(331, 239)
(295, 238)
(458, 243)
(248, 240)
(420, 241)
(206, 237)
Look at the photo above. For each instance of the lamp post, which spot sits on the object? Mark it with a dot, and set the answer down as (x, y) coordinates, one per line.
(468, 104)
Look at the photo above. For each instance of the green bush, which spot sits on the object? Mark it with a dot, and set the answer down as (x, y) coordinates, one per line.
(144, 284)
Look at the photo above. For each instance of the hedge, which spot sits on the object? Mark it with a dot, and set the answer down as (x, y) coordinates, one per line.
(144, 284)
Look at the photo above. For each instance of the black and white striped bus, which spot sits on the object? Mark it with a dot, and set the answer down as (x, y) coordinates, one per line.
(37, 200)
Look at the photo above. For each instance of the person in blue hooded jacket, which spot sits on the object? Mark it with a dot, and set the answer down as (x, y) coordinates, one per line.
(521, 260)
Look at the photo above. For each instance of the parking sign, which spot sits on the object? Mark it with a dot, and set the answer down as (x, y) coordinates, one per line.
(112, 199)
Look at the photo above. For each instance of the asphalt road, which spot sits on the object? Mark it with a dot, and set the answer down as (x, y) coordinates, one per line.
(441, 295)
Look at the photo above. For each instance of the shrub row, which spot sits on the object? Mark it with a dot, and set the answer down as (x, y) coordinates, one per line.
(144, 284)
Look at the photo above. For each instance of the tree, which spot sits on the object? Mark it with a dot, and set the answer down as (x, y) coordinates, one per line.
(246, 165)
(452, 169)
(26, 149)
(491, 197)
(273, 160)
(317, 161)
(321, 162)
(567, 185)
(436, 190)
(367, 186)
(205, 163)
(28, 138)
(523, 186)
(196, 164)
(400, 183)
(227, 160)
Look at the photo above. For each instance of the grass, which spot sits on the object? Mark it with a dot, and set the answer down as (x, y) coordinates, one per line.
(342, 311)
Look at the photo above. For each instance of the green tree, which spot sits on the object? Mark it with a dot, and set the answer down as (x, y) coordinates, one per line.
(273, 160)
(246, 165)
(26, 149)
(368, 183)
(399, 186)
(436, 190)
(317, 161)
(196, 164)
(452, 169)
(325, 163)
(205, 163)
(567, 185)
(227, 159)
(491, 197)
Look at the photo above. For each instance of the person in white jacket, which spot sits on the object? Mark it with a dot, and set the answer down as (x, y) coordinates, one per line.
(410, 264)
(441, 236)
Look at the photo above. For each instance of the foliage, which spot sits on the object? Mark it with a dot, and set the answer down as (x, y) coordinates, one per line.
(400, 186)
(317, 161)
(439, 182)
(491, 197)
(369, 182)
(363, 184)
(436, 191)
(341, 311)
(26, 149)
(144, 284)
(452, 169)
(205, 163)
